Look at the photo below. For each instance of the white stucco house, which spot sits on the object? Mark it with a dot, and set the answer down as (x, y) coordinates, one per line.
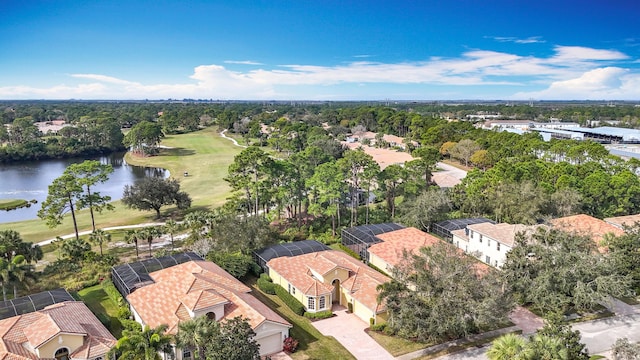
(489, 242)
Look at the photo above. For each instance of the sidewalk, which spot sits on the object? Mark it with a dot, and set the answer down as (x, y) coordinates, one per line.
(459, 342)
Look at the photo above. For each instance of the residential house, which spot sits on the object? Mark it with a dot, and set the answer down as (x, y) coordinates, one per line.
(320, 279)
(201, 288)
(389, 253)
(586, 225)
(62, 331)
(623, 221)
(489, 242)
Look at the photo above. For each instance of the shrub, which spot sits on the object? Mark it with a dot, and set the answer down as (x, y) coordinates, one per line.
(349, 307)
(112, 292)
(319, 315)
(124, 313)
(290, 345)
(266, 286)
(372, 321)
(349, 251)
(379, 327)
(293, 303)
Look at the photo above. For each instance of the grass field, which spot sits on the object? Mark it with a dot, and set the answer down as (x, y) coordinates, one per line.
(203, 154)
(99, 302)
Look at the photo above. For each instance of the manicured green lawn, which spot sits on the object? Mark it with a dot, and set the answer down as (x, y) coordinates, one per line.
(99, 303)
(203, 154)
(9, 204)
(313, 345)
(396, 345)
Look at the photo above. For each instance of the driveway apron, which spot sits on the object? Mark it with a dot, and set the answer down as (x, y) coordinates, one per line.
(348, 329)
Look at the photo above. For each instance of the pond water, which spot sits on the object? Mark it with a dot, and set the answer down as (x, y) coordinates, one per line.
(31, 180)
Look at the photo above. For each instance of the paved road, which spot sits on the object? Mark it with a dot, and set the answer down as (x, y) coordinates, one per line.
(599, 335)
(449, 176)
(69, 236)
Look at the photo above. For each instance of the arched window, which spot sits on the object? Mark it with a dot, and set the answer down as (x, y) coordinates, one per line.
(62, 354)
(211, 315)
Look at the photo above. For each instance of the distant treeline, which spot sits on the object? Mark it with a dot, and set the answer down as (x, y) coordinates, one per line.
(95, 127)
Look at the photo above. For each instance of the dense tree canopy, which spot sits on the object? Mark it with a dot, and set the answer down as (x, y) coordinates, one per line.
(554, 270)
(441, 294)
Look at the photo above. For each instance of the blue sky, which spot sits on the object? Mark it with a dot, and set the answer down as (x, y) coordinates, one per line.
(320, 50)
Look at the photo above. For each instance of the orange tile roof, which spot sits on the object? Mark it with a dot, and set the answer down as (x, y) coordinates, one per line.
(622, 221)
(503, 233)
(23, 332)
(195, 285)
(394, 243)
(586, 225)
(295, 270)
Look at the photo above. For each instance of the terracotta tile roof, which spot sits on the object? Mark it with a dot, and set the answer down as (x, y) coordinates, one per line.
(200, 299)
(622, 221)
(192, 286)
(295, 270)
(586, 225)
(363, 287)
(394, 243)
(20, 335)
(503, 233)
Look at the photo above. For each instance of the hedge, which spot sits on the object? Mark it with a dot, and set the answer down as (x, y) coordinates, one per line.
(265, 284)
(349, 251)
(319, 315)
(293, 303)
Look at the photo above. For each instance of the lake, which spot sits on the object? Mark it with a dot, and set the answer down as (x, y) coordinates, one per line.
(31, 180)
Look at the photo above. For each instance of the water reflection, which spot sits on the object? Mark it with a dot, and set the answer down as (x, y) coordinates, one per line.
(30, 181)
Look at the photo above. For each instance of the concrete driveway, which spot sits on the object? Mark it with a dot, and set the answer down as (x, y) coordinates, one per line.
(599, 335)
(348, 329)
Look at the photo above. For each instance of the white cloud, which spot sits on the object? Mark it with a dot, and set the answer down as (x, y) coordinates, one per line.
(572, 53)
(103, 78)
(572, 72)
(529, 40)
(242, 62)
(597, 84)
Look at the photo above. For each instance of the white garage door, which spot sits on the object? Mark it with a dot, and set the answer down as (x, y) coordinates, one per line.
(270, 344)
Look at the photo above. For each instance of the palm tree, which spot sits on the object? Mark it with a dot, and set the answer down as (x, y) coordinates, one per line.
(196, 334)
(142, 344)
(548, 348)
(99, 237)
(171, 227)
(149, 233)
(14, 272)
(19, 272)
(131, 237)
(509, 347)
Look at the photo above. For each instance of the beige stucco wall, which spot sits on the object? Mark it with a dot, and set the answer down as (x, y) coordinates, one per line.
(379, 263)
(279, 280)
(70, 341)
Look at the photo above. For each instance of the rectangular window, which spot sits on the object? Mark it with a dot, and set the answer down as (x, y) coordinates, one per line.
(496, 265)
(488, 260)
(311, 303)
(480, 239)
(289, 288)
(186, 354)
(498, 246)
(322, 303)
